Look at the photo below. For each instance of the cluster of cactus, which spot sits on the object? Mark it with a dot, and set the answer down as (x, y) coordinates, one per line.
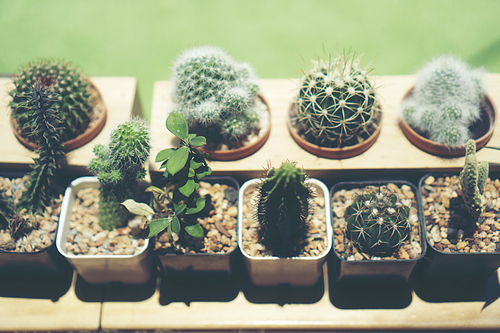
(70, 96)
(216, 94)
(118, 168)
(472, 180)
(445, 102)
(377, 222)
(282, 210)
(337, 105)
(184, 167)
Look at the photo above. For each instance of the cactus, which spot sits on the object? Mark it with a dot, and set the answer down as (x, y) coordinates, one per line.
(215, 94)
(336, 105)
(44, 122)
(118, 167)
(70, 93)
(283, 208)
(377, 223)
(472, 180)
(445, 102)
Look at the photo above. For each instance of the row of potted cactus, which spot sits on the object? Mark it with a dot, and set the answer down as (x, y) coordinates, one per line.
(216, 108)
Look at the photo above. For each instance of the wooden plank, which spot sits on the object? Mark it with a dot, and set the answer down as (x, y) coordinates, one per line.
(120, 98)
(392, 151)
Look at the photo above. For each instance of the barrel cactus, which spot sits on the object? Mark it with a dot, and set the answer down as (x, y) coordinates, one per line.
(70, 94)
(283, 208)
(377, 222)
(118, 167)
(337, 105)
(472, 181)
(216, 95)
(445, 102)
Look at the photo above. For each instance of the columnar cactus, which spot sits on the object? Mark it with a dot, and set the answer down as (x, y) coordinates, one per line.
(472, 180)
(69, 91)
(377, 223)
(283, 208)
(337, 105)
(216, 94)
(118, 167)
(445, 102)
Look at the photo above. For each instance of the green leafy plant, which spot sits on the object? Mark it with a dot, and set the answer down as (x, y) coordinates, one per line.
(69, 92)
(377, 222)
(118, 167)
(337, 105)
(283, 208)
(184, 166)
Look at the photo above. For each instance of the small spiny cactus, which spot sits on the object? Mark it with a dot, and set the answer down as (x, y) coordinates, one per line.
(118, 167)
(472, 180)
(336, 105)
(283, 208)
(215, 94)
(377, 223)
(445, 102)
(70, 95)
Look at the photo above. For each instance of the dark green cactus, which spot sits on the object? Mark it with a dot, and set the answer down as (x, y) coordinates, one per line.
(283, 208)
(70, 95)
(44, 123)
(472, 180)
(336, 105)
(377, 223)
(118, 167)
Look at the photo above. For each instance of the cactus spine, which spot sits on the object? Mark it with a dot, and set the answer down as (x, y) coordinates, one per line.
(118, 167)
(472, 180)
(377, 223)
(336, 105)
(282, 210)
(216, 94)
(445, 102)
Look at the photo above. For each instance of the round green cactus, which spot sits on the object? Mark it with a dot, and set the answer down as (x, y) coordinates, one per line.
(283, 208)
(336, 105)
(377, 223)
(70, 93)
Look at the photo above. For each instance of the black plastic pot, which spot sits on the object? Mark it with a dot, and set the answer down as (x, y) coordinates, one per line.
(455, 266)
(387, 272)
(198, 265)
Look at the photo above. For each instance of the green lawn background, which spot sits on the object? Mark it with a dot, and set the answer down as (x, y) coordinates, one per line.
(142, 38)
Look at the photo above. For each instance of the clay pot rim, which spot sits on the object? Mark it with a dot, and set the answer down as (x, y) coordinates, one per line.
(94, 128)
(336, 153)
(245, 151)
(442, 150)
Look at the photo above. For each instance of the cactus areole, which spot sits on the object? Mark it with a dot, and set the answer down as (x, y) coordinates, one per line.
(377, 223)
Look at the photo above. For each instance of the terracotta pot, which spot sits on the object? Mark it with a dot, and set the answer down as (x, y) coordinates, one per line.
(482, 133)
(239, 153)
(335, 153)
(94, 128)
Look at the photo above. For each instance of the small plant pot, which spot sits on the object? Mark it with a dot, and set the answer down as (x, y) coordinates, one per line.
(101, 269)
(295, 271)
(483, 130)
(394, 270)
(248, 149)
(190, 266)
(451, 265)
(94, 128)
(334, 153)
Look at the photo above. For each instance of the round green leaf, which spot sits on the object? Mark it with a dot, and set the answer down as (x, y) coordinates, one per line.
(157, 226)
(194, 230)
(176, 226)
(200, 204)
(177, 125)
(198, 141)
(178, 160)
(164, 154)
(188, 188)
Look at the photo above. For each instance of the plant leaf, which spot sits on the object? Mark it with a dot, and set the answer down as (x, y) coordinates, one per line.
(178, 160)
(200, 204)
(194, 230)
(188, 188)
(198, 141)
(195, 165)
(164, 154)
(191, 136)
(177, 125)
(176, 226)
(179, 209)
(191, 173)
(138, 208)
(157, 226)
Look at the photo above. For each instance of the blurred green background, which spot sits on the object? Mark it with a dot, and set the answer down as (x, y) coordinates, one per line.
(142, 38)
